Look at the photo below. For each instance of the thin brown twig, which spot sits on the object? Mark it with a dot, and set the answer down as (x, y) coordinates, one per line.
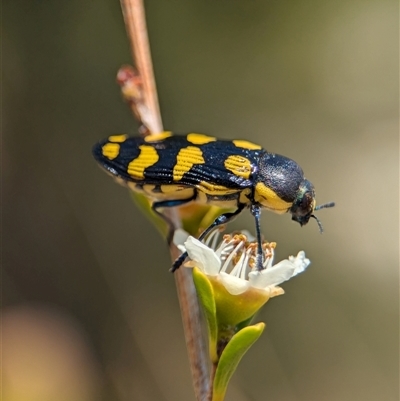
(134, 16)
(135, 22)
(212, 377)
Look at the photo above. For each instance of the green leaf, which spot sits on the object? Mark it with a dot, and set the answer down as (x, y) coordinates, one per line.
(144, 205)
(205, 293)
(245, 323)
(212, 213)
(195, 217)
(231, 356)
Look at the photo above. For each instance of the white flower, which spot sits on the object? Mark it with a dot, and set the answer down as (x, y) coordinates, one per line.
(233, 262)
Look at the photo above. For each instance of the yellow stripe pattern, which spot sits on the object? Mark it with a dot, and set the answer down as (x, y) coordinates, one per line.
(157, 137)
(238, 165)
(186, 158)
(118, 138)
(200, 139)
(246, 144)
(147, 158)
(110, 150)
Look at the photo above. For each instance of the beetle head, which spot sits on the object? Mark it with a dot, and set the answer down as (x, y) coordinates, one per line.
(304, 205)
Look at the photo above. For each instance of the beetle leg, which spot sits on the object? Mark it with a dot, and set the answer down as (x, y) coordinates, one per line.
(223, 219)
(169, 203)
(256, 212)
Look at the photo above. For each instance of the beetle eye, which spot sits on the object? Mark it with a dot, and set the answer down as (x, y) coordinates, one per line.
(304, 206)
(305, 201)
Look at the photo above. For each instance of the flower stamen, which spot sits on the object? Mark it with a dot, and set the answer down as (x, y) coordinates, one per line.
(232, 254)
(238, 267)
(235, 262)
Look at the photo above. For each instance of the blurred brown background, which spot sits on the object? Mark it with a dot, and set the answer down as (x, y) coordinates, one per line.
(89, 308)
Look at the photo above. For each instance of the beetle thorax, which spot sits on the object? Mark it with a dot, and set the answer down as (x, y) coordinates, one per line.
(278, 182)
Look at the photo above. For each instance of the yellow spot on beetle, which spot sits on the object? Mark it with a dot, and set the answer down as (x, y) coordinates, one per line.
(200, 139)
(178, 191)
(110, 150)
(213, 189)
(118, 138)
(270, 200)
(148, 157)
(246, 144)
(134, 187)
(244, 196)
(170, 189)
(148, 189)
(185, 160)
(157, 137)
(238, 165)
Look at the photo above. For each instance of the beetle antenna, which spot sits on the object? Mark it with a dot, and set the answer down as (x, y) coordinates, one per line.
(325, 205)
(321, 229)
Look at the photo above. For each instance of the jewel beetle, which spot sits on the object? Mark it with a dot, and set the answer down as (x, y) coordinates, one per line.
(172, 170)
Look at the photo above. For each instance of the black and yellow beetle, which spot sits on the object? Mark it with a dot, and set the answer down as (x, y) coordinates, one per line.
(176, 169)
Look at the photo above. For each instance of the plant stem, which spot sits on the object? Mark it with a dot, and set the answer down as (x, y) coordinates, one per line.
(212, 374)
(134, 16)
(135, 22)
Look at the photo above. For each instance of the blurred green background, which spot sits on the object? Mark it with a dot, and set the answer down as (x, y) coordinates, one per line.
(89, 308)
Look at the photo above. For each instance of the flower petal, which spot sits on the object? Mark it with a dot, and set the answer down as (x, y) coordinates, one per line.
(300, 261)
(180, 236)
(275, 291)
(272, 276)
(234, 285)
(204, 257)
